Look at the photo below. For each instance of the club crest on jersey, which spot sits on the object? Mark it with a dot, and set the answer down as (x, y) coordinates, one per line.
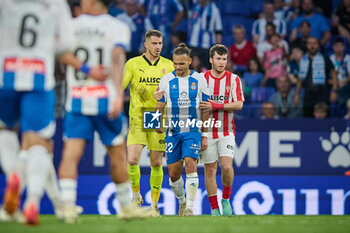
(27, 65)
(174, 87)
(228, 88)
(193, 86)
(163, 71)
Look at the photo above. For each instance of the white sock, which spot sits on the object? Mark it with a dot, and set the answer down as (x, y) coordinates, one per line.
(9, 148)
(36, 173)
(178, 189)
(122, 194)
(21, 167)
(68, 190)
(52, 189)
(154, 204)
(191, 189)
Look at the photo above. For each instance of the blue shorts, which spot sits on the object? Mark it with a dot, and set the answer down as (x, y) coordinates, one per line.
(33, 110)
(181, 145)
(112, 132)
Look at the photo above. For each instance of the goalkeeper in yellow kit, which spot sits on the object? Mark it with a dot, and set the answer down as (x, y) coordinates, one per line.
(143, 73)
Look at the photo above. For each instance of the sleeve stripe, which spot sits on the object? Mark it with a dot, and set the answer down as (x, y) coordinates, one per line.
(120, 45)
(205, 97)
(239, 92)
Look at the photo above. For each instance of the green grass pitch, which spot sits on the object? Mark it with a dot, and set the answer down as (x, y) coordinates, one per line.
(203, 224)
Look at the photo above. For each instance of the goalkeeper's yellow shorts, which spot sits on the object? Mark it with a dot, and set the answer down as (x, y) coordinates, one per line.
(153, 140)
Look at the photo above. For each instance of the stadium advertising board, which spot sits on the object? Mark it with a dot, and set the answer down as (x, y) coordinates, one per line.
(282, 167)
(287, 195)
(269, 147)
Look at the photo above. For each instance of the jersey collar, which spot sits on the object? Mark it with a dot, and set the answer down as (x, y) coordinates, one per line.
(192, 71)
(225, 73)
(149, 62)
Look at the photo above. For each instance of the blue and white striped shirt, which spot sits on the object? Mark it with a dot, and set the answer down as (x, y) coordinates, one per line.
(183, 95)
(162, 13)
(259, 28)
(204, 23)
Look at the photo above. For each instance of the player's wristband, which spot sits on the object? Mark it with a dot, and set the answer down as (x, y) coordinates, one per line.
(205, 134)
(216, 106)
(85, 68)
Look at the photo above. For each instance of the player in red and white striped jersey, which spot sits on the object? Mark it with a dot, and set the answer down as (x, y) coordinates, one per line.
(224, 89)
(226, 97)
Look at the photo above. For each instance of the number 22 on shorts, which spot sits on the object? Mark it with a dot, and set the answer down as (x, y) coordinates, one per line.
(169, 147)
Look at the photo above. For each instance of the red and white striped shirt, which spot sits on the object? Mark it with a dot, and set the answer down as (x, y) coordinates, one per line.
(223, 90)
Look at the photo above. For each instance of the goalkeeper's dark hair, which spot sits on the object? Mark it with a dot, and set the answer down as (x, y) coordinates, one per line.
(107, 2)
(155, 33)
(182, 49)
(220, 49)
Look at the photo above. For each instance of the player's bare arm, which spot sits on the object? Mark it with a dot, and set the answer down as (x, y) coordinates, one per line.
(233, 106)
(204, 117)
(205, 106)
(212, 106)
(118, 57)
(97, 72)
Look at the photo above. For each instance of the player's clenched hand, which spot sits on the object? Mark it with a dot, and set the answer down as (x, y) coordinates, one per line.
(159, 130)
(204, 144)
(99, 73)
(118, 106)
(206, 106)
(158, 95)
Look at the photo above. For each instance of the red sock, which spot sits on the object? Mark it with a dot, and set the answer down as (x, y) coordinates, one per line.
(214, 202)
(226, 192)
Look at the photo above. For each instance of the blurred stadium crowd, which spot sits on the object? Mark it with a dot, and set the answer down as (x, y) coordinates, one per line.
(268, 43)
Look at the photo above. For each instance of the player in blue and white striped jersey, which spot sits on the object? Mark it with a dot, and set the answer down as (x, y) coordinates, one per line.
(182, 96)
(183, 90)
(32, 33)
(97, 106)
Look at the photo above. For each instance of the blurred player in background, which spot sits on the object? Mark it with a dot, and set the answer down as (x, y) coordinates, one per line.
(13, 161)
(226, 97)
(143, 74)
(97, 106)
(31, 33)
(183, 89)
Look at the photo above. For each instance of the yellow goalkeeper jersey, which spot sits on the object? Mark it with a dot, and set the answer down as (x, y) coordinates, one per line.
(144, 77)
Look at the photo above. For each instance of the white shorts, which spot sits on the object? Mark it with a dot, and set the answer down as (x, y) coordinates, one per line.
(225, 146)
